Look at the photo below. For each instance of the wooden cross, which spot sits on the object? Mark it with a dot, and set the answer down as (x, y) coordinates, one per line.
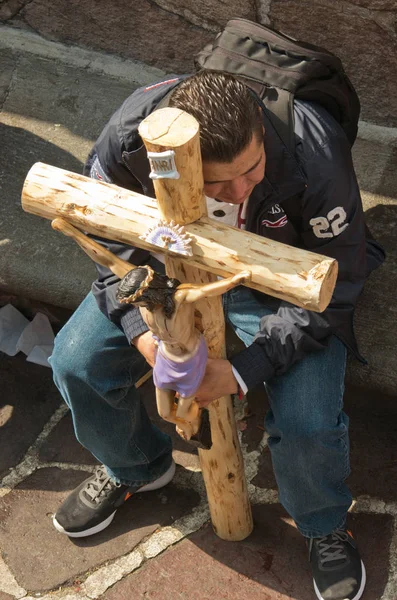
(303, 278)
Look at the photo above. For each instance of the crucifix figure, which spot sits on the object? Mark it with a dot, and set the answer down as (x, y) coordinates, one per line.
(167, 306)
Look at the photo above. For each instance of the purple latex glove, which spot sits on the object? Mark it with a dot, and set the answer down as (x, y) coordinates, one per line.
(183, 377)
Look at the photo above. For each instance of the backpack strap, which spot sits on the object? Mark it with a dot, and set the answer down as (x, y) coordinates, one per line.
(280, 107)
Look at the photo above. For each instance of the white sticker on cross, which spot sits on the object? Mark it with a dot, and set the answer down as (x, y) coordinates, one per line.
(163, 165)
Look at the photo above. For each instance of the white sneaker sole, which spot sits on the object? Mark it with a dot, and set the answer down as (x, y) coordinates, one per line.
(160, 482)
(359, 593)
(87, 532)
(149, 487)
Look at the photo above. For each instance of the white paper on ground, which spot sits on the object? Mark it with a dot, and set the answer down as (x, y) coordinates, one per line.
(12, 324)
(40, 355)
(37, 333)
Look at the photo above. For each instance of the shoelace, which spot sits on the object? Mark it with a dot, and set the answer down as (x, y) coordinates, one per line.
(100, 485)
(331, 547)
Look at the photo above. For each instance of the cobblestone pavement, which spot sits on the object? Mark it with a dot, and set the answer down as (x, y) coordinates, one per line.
(161, 544)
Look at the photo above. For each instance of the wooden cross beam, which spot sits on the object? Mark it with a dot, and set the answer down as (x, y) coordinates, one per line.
(301, 277)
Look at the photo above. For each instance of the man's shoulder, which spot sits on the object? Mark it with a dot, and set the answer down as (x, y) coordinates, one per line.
(143, 102)
(150, 94)
(123, 124)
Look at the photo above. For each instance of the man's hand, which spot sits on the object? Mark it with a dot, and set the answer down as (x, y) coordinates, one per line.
(146, 346)
(218, 381)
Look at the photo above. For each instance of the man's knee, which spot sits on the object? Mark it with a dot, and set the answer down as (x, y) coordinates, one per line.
(67, 356)
(309, 430)
(83, 346)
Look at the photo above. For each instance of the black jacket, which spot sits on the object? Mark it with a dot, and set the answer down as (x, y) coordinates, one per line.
(310, 200)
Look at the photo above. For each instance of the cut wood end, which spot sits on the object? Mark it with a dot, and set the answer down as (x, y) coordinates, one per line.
(34, 169)
(169, 126)
(58, 224)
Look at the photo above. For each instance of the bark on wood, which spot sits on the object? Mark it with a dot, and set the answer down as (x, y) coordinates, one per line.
(298, 276)
(222, 465)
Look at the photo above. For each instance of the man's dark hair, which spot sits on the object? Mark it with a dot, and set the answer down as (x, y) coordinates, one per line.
(142, 284)
(226, 110)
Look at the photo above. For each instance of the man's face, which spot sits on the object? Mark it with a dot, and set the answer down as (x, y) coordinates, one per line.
(233, 182)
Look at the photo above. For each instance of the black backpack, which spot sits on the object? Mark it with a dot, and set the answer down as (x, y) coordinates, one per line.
(279, 68)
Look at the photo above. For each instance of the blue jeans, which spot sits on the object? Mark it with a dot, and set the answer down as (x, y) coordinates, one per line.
(95, 370)
(308, 431)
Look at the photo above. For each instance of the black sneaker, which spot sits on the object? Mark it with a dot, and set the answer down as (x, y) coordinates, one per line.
(90, 508)
(338, 571)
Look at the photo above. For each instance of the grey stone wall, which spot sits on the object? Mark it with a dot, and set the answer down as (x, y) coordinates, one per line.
(363, 33)
(167, 33)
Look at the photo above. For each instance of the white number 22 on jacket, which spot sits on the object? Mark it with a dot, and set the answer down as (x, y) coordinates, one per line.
(331, 225)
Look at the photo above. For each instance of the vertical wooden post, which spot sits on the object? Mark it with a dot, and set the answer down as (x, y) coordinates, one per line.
(182, 200)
